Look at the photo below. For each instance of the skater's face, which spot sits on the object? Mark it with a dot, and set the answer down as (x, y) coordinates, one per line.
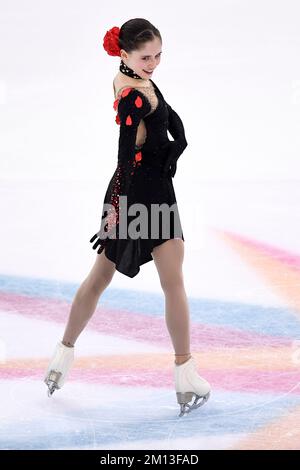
(144, 60)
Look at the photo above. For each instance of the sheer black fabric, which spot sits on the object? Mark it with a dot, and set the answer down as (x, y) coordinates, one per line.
(140, 176)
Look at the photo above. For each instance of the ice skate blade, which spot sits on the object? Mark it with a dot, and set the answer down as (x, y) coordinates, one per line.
(184, 398)
(52, 381)
(52, 386)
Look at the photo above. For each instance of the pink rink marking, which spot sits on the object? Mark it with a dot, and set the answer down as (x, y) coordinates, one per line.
(279, 254)
(237, 381)
(137, 326)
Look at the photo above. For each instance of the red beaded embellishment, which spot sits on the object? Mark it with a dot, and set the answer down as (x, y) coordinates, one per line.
(138, 103)
(138, 156)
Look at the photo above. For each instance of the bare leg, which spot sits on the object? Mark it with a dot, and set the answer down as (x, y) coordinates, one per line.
(87, 296)
(168, 258)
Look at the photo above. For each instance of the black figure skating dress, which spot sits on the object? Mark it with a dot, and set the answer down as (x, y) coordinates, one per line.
(140, 176)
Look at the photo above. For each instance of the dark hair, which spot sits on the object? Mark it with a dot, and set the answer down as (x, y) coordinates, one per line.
(135, 32)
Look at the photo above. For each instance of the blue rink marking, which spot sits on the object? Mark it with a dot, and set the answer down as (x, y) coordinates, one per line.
(225, 413)
(251, 318)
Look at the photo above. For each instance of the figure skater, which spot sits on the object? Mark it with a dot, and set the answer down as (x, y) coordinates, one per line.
(147, 162)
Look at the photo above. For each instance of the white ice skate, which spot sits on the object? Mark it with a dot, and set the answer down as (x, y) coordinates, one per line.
(59, 366)
(187, 384)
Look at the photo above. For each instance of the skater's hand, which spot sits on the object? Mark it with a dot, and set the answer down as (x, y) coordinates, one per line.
(173, 169)
(174, 149)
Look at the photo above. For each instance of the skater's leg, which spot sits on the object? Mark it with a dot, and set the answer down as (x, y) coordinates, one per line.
(87, 296)
(168, 258)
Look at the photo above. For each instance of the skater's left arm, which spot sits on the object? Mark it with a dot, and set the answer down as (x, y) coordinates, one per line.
(174, 148)
(175, 127)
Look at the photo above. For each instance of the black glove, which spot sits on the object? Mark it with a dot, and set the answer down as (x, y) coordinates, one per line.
(174, 148)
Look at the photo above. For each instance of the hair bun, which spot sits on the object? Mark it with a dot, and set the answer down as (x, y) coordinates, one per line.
(111, 41)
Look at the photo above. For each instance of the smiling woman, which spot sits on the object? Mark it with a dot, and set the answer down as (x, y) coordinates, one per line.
(142, 182)
(149, 53)
(149, 71)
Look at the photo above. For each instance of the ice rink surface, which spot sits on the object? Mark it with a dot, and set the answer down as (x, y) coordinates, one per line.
(242, 276)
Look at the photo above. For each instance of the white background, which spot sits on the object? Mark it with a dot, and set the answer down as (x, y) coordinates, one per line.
(230, 68)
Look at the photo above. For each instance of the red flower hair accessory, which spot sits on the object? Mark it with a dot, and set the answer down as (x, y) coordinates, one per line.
(111, 41)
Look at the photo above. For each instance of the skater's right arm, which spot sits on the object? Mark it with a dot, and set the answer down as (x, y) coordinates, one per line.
(132, 107)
